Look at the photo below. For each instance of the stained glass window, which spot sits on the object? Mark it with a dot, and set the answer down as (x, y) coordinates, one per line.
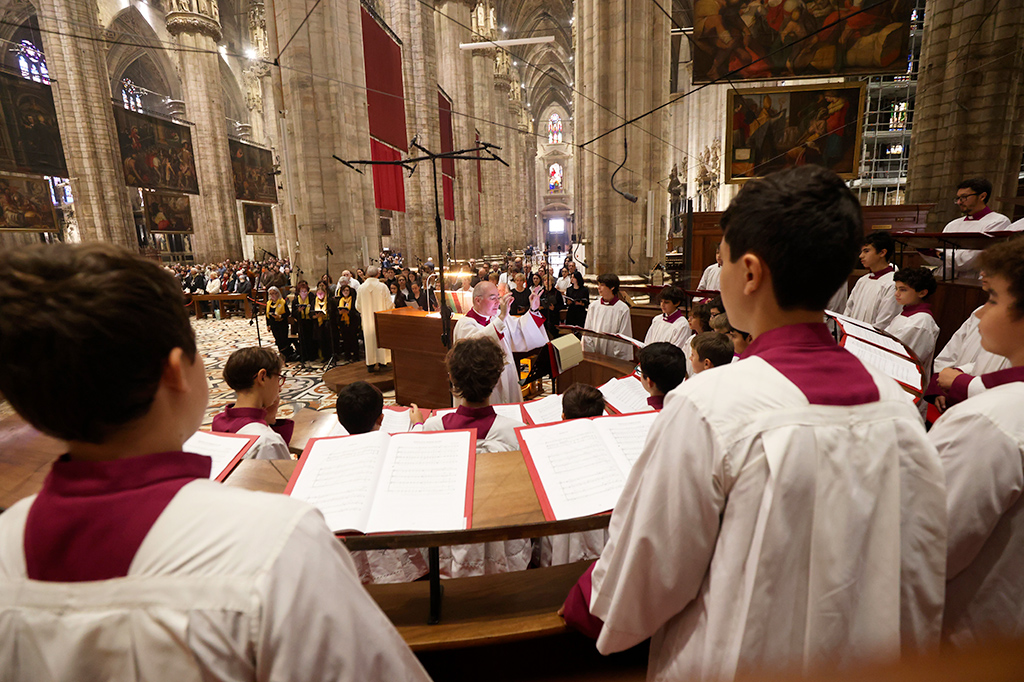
(555, 178)
(554, 129)
(131, 95)
(32, 63)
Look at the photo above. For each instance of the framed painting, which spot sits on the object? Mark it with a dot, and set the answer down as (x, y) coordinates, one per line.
(167, 213)
(33, 142)
(254, 173)
(25, 205)
(257, 218)
(155, 153)
(765, 39)
(771, 129)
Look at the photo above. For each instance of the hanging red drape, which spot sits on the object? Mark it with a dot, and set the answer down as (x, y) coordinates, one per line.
(444, 106)
(388, 181)
(385, 107)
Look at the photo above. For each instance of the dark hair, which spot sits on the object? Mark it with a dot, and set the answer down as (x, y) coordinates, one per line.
(702, 311)
(881, 241)
(359, 406)
(474, 367)
(715, 347)
(716, 303)
(664, 364)
(918, 279)
(582, 400)
(672, 294)
(611, 281)
(301, 283)
(805, 224)
(1004, 260)
(245, 363)
(78, 319)
(979, 186)
(577, 276)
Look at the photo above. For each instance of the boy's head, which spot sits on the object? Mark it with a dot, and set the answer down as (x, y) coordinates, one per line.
(662, 367)
(799, 230)
(716, 306)
(582, 400)
(1001, 320)
(740, 339)
(700, 317)
(255, 370)
(474, 368)
(720, 324)
(79, 319)
(360, 407)
(670, 299)
(913, 285)
(710, 349)
(876, 251)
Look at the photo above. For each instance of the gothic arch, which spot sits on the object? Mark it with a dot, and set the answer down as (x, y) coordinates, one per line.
(234, 100)
(142, 52)
(16, 15)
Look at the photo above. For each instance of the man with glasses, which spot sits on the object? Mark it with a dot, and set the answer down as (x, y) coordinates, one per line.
(971, 198)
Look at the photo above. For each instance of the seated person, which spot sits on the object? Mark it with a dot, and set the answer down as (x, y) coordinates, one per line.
(130, 563)
(710, 349)
(662, 368)
(740, 340)
(582, 400)
(360, 407)
(255, 375)
(915, 326)
(962, 355)
(873, 297)
(671, 325)
(716, 307)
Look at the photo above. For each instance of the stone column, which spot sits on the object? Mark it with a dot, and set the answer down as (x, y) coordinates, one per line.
(75, 58)
(508, 231)
(621, 62)
(486, 106)
(969, 111)
(195, 24)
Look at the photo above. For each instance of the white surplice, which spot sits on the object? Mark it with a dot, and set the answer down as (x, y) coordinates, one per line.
(919, 332)
(967, 259)
(228, 584)
(873, 299)
(609, 319)
(758, 531)
(981, 443)
(964, 351)
(677, 332)
(374, 296)
(519, 334)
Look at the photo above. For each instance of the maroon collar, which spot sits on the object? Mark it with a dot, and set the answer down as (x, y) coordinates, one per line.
(674, 316)
(479, 418)
(473, 314)
(1003, 376)
(881, 273)
(921, 307)
(656, 401)
(979, 215)
(234, 418)
(90, 518)
(604, 302)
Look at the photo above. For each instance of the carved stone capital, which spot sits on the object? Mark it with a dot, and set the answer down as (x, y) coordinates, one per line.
(190, 22)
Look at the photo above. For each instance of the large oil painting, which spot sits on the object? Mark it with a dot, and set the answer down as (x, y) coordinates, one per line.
(155, 153)
(31, 138)
(254, 172)
(775, 128)
(25, 205)
(764, 39)
(258, 218)
(169, 213)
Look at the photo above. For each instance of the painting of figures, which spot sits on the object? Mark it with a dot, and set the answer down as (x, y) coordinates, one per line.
(25, 205)
(776, 128)
(33, 138)
(155, 153)
(763, 39)
(167, 212)
(254, 173)
(258, 218)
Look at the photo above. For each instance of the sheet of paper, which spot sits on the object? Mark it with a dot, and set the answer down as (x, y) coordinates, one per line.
(423, 481)
(396, 420)
(847, 320)
(579, 473)
(338, 430)
(899, 368)
(628, 432)
(874, 337)
(546, 410)
(626, 395)
(339, 477)
(221, 448)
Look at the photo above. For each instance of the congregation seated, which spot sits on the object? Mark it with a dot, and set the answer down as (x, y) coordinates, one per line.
(256, 375)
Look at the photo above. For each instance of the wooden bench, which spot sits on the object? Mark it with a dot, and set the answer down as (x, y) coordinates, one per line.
(220, 299)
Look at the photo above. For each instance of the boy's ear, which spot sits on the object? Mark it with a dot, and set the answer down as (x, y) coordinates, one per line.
(380, 419)
(923, 294)
(174, 375)
(706, 363)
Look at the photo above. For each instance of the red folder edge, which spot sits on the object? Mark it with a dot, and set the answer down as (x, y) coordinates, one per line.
(470, 476)
(238, 458)
(531, 468)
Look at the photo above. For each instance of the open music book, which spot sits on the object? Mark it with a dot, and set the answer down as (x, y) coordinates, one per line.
(225, 449)
(881, 350)
(579, 467)
(626, 395)
(380, 483)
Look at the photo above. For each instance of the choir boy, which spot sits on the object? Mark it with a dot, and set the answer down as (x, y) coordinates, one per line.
(662, 368)
(360, 407)
(130, 563)
(709, 350)
(915, 326)
(981, 443)
(873, 298)
(740, 339)
(962, 361)
(672, 325)
(700, 322)
(610, 316)
(787, 511)
(256, 376)
(582, 400)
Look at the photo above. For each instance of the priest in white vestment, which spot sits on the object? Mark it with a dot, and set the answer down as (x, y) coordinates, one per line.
(489, 317)
(374, 296)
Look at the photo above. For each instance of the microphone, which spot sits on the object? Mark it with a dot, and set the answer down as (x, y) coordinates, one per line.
(328, 246)
(627, 195)
(415, 140)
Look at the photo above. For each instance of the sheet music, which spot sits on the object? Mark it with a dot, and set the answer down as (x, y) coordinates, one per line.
(627, 433)
(876, 338)
(847, 320)
(899, 368)
(218, 447)
(339, 477)
(546, 410)
(579, 473)
(423, 483)
(396, 420)
(629, 339)
(626, 395)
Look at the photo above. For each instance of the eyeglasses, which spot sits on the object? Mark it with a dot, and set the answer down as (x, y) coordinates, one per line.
(963, 197)
(280, 377)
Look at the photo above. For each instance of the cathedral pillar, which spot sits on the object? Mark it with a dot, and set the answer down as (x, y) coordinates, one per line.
(969, 110)
(486, 114)
(622, 64)
(75, 57)
(195, 25)
(508, 233)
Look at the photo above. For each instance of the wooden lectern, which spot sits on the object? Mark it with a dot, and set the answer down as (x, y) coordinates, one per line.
(417, 356)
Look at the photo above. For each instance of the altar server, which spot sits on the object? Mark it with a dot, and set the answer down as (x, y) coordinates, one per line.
(374, 296)
(787, 510)
(610, 315)
(489, 317)
(672, 325)
(873, 298)
(130, 564)
(981, 442)
(959, 363)
(256, 374)
(915, 326)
